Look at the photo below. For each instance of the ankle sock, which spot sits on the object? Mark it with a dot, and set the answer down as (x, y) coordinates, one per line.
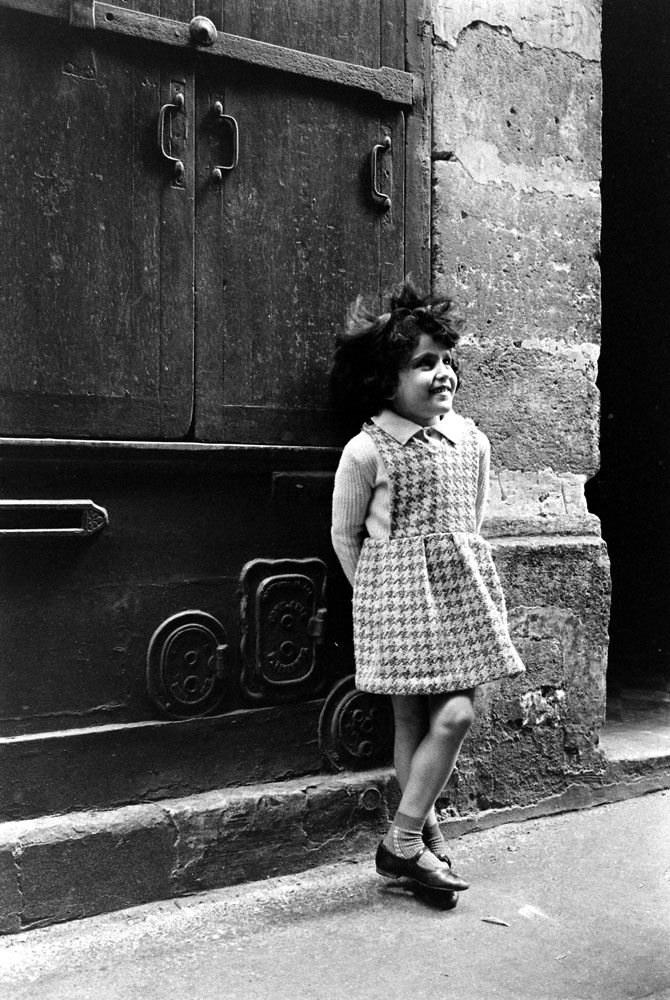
(405, 840)
(432, 835)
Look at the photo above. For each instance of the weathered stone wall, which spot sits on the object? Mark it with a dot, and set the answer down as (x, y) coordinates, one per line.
(515, 231)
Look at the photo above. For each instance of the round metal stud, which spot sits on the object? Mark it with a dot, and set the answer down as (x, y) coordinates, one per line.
(202, 31)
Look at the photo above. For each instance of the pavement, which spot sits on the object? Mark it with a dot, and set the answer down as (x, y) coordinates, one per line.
(568, 907)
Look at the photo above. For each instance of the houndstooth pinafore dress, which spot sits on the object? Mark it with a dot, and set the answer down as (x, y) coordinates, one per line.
(429, 611)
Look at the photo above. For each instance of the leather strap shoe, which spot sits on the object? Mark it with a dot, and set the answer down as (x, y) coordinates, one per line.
(392, 866)
(447, 861)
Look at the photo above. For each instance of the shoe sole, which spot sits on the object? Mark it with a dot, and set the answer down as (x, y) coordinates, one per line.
(440, 899)
(427, 888)
(390, 875)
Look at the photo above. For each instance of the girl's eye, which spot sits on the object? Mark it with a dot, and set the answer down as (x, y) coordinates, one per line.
(432, 361)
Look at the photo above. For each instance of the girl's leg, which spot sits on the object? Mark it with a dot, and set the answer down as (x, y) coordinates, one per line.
(411, 715)
(451, 716)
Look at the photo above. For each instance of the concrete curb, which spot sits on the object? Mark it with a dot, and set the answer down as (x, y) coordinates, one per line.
(63, 868)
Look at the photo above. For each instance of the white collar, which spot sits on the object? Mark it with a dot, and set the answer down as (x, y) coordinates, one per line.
(451, 426)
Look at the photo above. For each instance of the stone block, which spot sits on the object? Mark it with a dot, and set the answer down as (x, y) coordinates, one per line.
(537, 503)
(558, 591)
(537, 108)
(524, 264)
(265, 830)
(571, 573)
(537, 407)
(92, 863)
(10, 892)
(230, 836)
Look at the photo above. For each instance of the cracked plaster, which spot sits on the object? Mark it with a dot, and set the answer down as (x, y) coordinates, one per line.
(568, 27)
(482, 162)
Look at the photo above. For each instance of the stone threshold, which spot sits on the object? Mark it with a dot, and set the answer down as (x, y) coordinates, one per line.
(624, 743)
(66, 867)
(637, 729)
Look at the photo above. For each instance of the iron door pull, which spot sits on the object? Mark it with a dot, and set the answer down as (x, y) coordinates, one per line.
(379, 198)
(176, 106)
(218, 170)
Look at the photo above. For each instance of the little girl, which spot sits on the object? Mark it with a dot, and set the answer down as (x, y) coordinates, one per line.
(429, 612)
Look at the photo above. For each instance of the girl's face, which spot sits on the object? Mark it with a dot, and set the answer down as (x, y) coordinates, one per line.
(426, 385)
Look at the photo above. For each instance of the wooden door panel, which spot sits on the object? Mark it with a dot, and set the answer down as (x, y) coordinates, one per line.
(347, 29)
(288, 240)
(96, 289)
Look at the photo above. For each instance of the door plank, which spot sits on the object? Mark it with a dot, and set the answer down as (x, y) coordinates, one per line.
(94, 343)
(338, 30)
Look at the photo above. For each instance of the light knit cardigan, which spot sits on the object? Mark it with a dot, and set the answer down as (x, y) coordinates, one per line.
(362, 498)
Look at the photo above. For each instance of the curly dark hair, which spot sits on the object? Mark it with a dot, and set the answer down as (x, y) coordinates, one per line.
(372, 349)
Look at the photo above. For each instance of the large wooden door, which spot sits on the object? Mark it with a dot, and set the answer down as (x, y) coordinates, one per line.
(96, 287)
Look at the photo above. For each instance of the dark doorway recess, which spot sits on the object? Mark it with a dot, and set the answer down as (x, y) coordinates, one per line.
(631, 492)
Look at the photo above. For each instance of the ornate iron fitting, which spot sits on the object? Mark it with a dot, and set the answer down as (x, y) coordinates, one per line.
(283, 626)
(355, 728)
(187, 665)
(370, 800)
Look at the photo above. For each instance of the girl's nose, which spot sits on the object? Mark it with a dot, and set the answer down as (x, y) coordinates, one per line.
(444, 369)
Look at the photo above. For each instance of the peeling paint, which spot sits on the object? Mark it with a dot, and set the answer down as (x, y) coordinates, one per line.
(482, 162)
(542, 707)
(573, 27)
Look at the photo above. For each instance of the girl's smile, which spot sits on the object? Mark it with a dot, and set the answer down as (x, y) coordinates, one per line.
(426, 386)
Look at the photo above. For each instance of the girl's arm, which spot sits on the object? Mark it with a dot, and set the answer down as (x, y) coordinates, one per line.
(354, 482)
(483, 479)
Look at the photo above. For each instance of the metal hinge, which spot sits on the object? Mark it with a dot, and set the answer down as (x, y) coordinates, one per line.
(392, 85)
(316, 626)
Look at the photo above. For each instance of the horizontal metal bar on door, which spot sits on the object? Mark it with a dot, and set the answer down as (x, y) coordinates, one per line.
(78, 518)
(392, 85)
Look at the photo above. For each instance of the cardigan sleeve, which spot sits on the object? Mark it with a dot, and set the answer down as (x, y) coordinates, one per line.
(483, 479)
(355, 480)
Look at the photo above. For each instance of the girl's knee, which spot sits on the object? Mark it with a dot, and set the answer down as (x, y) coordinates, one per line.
(455, 717)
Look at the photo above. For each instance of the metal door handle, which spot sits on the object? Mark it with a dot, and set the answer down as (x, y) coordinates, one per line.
(218, 171)
(176, 106)
(379, 198)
